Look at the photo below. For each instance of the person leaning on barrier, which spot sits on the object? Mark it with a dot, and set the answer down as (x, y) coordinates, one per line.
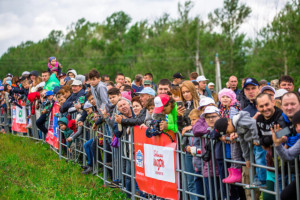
(243, 127)
(78, 91)
(88, 107)
(289, 192)
(47, 105)
(145, 94)
(124, 131)
(190, 100)
(204, 127)
(63, 126)
(270, 115)
(290, 105)
(114, 96)
(99, 90)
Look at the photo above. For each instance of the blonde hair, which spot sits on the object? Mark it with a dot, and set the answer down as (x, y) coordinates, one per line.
(191, 87)
(195, 112)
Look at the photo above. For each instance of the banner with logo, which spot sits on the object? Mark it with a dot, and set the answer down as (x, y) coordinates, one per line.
(53, 129)
(155, 166)
(19, 118)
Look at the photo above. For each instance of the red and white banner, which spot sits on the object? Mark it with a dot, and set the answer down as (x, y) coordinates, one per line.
(53, 129)
(19, 118)
(155, 169)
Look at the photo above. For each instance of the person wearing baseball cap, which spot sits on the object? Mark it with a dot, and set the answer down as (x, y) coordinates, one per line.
(268, 90)
(251, 90)
(203, 89)
(147, 83)
(77, 92)
(177, 79)
(166, 105)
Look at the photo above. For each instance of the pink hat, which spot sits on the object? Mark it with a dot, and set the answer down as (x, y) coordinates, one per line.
(229, 93)
(126, 94)
(160, 101)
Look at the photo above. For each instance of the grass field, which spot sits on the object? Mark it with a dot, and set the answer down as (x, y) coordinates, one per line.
(30, 170)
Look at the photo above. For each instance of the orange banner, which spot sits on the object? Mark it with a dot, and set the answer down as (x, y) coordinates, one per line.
(155, 164)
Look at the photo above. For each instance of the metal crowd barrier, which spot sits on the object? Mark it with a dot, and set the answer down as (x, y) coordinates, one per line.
(114, 173)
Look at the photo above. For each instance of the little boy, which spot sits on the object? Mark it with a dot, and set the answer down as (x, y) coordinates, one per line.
(46, 109)
(88, 107)
(166, 107)
(63, 126)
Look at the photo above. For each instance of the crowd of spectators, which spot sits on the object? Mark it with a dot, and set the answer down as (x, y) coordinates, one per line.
(240, 118)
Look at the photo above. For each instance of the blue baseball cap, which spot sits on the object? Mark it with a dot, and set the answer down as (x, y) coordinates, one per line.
(251, 81)
(48, 93)
(147, 90)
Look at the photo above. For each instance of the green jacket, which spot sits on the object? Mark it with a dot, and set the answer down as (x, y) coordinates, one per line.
(172, 120)
(66, 132)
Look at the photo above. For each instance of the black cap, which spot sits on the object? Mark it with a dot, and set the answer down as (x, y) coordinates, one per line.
(178, 75)
(251, 81)
(296, 118)
(34, 73)
(221, 125)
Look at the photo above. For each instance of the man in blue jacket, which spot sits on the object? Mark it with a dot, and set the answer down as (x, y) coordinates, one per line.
(78, 91)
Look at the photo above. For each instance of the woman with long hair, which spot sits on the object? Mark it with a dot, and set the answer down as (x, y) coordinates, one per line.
(190, 101)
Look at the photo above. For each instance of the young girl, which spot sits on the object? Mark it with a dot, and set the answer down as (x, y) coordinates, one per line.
(230, 107)
(54, 66)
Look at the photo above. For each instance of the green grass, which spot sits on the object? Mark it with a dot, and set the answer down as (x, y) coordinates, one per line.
(30, 170)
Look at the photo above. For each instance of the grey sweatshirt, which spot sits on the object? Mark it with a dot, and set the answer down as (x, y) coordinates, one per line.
(101, 97)
(246, 129)
(289, 154)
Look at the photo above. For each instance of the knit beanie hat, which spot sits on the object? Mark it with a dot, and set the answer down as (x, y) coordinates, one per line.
(221, 125)
(229, 93)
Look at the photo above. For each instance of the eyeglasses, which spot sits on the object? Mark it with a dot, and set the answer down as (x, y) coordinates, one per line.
(211, 117)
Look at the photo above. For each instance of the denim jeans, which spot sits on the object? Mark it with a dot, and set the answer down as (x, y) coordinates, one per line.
(89, 152)
(260, 159)
(199, 185)
(188, 161)
(128, 181)
(212, 189)
(220, 163)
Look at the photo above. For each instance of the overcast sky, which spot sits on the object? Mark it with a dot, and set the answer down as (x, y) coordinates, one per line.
(23, 20)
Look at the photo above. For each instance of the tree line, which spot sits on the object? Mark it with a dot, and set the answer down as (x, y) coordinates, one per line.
(170, 45)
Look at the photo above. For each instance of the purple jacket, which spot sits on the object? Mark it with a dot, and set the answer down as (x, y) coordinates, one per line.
(200, 129)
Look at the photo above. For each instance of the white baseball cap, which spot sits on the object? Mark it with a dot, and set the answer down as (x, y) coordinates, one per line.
(210, 110)
(205, 101)
(279, 93)
(201, 78)
(211, 83)
(76, 82)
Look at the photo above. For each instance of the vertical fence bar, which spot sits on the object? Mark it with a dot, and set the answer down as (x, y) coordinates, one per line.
(131, 153)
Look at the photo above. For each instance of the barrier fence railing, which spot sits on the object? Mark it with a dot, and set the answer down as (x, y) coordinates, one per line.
(116, 167)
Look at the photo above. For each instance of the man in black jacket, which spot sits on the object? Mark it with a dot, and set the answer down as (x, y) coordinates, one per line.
(270, 115)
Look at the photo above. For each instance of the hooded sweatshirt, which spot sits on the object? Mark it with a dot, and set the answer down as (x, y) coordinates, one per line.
(101, 97)
(246, 129)
(66, 132)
